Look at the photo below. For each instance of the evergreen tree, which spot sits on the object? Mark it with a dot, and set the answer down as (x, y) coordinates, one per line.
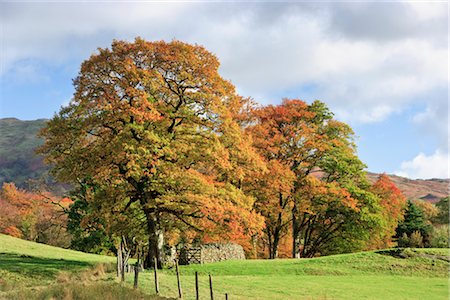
(414, 220)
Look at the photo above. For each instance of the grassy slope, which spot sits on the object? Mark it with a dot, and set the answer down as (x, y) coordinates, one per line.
(13, 245)
(24, 264)
(367, 275)
(35, 271)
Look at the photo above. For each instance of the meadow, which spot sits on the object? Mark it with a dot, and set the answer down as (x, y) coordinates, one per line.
(367, 275)
(36, 271)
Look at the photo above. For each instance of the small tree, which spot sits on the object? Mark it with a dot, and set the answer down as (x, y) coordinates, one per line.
(414, 221)
(403, 241)
(440, 236)
(393, 204)
(416, 240)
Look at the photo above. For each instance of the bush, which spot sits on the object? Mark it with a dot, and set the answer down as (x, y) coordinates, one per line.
(440, 237)
(413, 241)
(416, 240)
(403, 241)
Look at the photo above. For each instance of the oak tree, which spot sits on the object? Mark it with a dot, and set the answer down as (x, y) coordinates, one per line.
(328, 185)
(155, 121)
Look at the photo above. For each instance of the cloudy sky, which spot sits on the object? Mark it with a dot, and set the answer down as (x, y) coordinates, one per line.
(382, 67)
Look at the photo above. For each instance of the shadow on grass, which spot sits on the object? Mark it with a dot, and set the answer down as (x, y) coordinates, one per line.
(31, 266)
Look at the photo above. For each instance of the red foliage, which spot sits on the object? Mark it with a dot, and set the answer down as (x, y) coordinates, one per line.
(30, 215)
(13, 231)
(392, 203)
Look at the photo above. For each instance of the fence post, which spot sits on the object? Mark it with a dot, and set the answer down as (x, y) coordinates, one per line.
(196, 285)
(136, 272)
(226, 296)
(211, 287)
(180, 293)
(156, 275)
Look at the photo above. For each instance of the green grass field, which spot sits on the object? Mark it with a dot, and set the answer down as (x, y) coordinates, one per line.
(367, 275)
(35, 271)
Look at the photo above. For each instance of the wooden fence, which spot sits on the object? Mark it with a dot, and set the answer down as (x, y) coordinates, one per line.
(137, 268)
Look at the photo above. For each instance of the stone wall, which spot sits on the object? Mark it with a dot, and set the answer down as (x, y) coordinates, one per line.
(208, 253)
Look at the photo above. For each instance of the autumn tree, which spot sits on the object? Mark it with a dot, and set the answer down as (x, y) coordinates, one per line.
(273, 189)
(328, 190)
(155, 121)
(393, 204)
(430, 211)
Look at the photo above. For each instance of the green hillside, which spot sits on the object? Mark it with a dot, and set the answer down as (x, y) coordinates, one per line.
(36, 271)
(18, 139)
(409, 274)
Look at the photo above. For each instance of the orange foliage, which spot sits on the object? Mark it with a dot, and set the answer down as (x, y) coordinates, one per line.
(293, 138)
(156, 122)
(13, 231)
(392, 203)
(30, 215)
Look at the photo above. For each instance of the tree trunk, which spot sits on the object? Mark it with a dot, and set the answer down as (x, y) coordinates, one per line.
(295, 234)
(276, 241)
(269, 239)
(255, 246)
(296, 241)
(155, 240)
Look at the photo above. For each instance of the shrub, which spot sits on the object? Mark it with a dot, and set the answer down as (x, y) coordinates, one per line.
(416, 240)
(413, 241)
(440, 237)
(403, 241)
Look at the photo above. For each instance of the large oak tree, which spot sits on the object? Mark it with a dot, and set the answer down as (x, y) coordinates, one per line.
(156, 121)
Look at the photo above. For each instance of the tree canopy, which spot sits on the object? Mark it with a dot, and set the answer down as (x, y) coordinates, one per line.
(154, 124)
(316, 183)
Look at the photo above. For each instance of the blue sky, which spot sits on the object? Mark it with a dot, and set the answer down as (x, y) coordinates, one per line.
(381, 67)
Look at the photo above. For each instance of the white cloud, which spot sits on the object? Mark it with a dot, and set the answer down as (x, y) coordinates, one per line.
(425, 166)
(366, 60)
(428, 10)
(434, 121)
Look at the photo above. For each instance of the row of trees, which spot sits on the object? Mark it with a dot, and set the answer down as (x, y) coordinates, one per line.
(163, 150)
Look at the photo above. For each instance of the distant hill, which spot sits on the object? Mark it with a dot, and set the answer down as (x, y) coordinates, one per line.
(431, 190)
(19, 163)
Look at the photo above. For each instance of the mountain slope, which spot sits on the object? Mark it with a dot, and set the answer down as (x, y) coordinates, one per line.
(18, 162)
(431, 190)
